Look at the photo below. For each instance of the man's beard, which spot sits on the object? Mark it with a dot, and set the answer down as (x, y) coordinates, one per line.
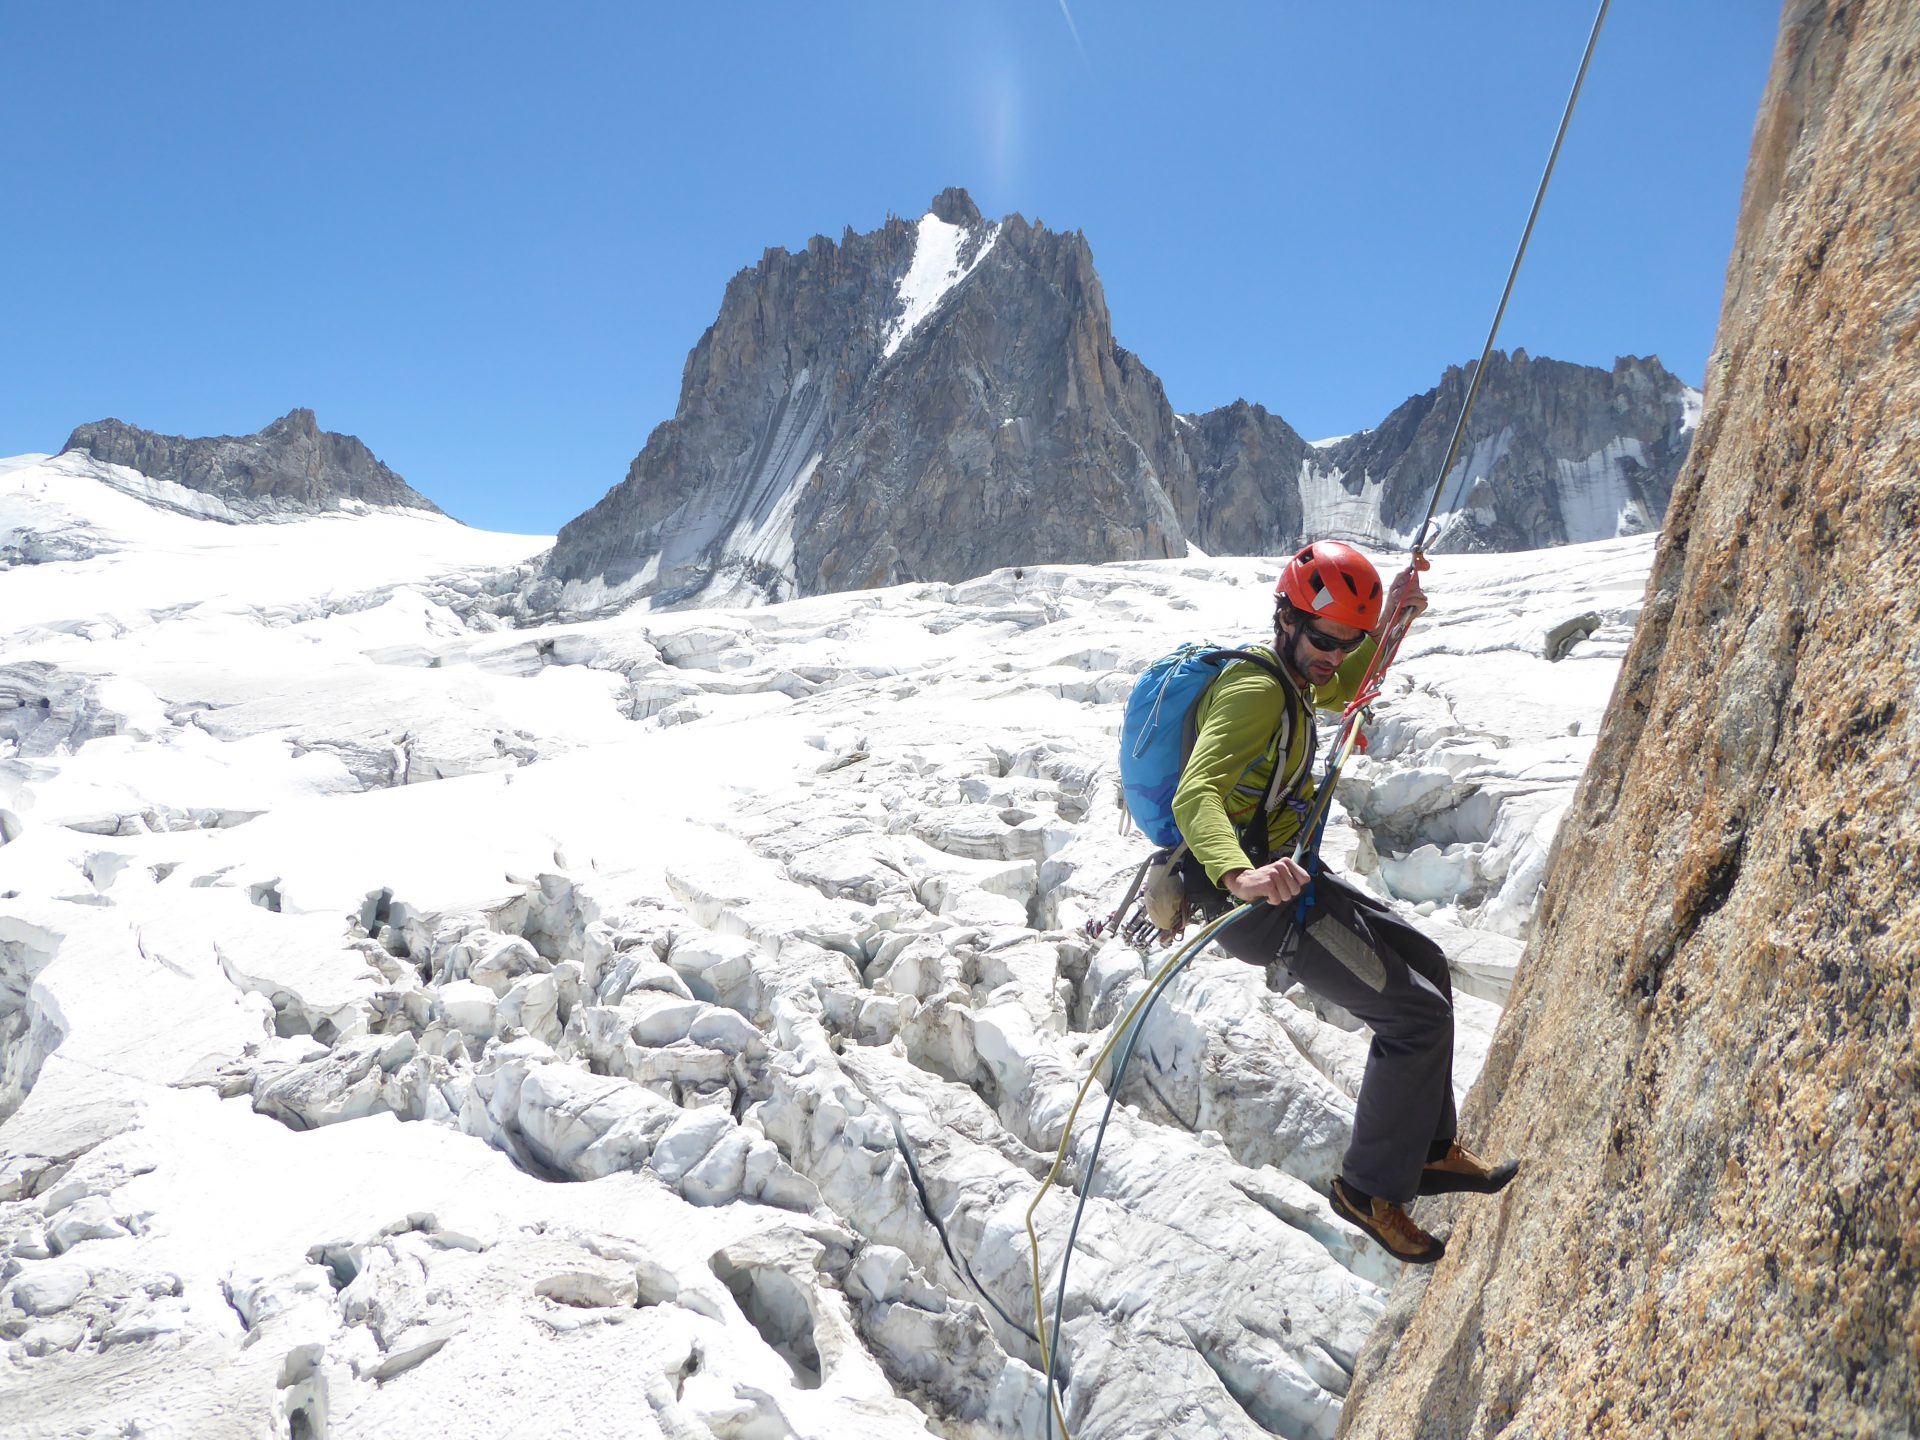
(1289, 651)
(1288, 648)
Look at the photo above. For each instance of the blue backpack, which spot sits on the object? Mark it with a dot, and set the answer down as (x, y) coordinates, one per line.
(1158, 731)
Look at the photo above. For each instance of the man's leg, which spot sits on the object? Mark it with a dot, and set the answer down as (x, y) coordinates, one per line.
(1356, 953)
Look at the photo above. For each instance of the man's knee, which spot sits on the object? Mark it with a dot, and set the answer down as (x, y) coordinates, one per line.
(1424, 958)
(1423, 1015)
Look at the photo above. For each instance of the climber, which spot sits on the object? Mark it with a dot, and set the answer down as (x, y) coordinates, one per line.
(1343, 944)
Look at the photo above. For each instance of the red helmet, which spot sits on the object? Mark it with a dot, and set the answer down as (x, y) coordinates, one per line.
(1335, 582)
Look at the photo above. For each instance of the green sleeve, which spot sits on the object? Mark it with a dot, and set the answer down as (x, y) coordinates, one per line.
(1237, 719)
(1338, 692)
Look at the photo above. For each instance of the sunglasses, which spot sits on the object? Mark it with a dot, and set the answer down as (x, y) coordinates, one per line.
(1320, 640)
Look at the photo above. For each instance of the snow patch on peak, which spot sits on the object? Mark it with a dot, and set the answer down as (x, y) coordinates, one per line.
(1332, 440)
(1691, 402)
(935, 270)
(162, 494)
(79, 538)
(1458, 493)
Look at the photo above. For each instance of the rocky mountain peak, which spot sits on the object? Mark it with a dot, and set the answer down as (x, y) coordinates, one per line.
(955, 206)
(924, 401)
(297, 424)
(291, 466)
(944, 396)
(1553, 452)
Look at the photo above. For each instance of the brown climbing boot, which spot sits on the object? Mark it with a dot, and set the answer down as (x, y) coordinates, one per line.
(1388, 1224)
(1461, 1169)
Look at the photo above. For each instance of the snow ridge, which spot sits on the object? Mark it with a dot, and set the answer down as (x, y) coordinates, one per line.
(1329, 509)
(1691, 403)
(1596, 499)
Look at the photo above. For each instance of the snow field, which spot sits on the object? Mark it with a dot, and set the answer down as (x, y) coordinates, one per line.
(406, 1023)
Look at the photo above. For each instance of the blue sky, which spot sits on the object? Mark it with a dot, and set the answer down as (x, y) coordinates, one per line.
(484, 237)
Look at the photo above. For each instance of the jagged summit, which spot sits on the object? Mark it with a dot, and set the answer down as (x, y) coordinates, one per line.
(1553, 452)
(291, 466)
(928, 400)
(298, 421)
(955, 206)
(944, 396)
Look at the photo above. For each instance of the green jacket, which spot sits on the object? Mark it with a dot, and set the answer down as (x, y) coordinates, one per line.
(1238, 728)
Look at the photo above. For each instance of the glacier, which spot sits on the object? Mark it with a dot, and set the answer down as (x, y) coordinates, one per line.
(664, 1021)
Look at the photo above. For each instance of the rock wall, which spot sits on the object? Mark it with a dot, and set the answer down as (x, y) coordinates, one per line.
(936, 399)
(290, 467)
(1554, 453)
(1709, 1061)
(923, 402)
(766, 385)
(1013, 431)
(1240, 454)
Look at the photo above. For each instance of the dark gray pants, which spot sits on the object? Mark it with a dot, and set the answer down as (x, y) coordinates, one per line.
(1357, 953)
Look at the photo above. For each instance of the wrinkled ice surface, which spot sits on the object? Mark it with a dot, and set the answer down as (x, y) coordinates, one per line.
(409, 1026)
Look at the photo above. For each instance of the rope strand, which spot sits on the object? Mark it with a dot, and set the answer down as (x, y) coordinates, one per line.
(1513, 272)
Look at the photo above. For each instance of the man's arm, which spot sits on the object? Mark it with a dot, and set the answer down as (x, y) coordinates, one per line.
(1282, 880)
(1237, 719)
(1337, 692)
(1406, 590)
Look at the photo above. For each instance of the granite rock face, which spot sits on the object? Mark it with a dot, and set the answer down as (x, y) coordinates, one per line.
(923, 402)
(940, 398)
(1554, 454)
(1709, 1058)
(291, 467)
(1244, 457)
(1012, 430)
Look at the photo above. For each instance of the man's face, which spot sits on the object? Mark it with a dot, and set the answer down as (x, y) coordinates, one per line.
(1316, 648)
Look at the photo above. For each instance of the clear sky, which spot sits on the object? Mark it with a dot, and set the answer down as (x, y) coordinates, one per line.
(483, 237)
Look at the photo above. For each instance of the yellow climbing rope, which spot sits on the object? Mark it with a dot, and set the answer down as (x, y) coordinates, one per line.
(1161, 976)
(1343, 750)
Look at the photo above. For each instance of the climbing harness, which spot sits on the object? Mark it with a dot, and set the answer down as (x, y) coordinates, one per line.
(1306, 852)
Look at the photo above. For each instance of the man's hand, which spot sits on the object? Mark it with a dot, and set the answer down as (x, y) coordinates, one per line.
(1406, 590)
(1276, 884)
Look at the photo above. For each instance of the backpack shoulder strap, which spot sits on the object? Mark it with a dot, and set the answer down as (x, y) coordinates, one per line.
(1190, 727)
(1281, 779)
(1253, 657)
(1278, 744)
